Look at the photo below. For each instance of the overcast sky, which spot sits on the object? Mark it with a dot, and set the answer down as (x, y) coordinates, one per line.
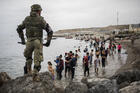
(67, 14)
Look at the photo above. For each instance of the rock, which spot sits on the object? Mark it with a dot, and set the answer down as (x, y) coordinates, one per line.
(127, 77)
(84, 80)
(4, 77)
(60, 89)
(25, 84)
(76, 87)
(103, 85)
(95, 81)
(132, 88)
(59, 86)
(124, 84)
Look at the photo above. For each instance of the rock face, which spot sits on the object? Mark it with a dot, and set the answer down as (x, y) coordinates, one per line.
(125, 78)
(132, 88)
(26, 85)
(76, 87)
(103, 85)
(133, 59)
(4, 78)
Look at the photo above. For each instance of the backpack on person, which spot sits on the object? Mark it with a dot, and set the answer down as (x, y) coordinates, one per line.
(98, 53)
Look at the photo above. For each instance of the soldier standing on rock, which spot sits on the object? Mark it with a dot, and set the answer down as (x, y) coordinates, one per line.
(34, 25)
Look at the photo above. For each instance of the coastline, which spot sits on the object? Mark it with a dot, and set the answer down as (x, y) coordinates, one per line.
(133, 58)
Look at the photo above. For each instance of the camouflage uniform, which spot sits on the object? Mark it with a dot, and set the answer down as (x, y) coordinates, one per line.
(34, 25)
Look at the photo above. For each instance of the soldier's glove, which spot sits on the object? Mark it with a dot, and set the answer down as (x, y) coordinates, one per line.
(50, 33)
(47, 44)
(23, 43)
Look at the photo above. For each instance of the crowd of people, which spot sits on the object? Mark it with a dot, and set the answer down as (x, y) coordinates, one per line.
(100, 49)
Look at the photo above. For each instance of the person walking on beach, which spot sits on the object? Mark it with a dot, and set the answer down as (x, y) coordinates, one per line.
(96, 64)
(67, 65)
(60, 66)
(91, 57)
(86, 49)
(51, 70)
(103, 58)
(114, 47)
(86, 64)
(72, 65)
(34, 25)
(119, 48)
(91, 44)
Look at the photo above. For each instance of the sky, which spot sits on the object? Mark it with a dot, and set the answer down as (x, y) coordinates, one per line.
(68, 14)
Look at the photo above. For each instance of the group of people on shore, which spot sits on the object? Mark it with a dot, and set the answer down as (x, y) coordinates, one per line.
(71, 59)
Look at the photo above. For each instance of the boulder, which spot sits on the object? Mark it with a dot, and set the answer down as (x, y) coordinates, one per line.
(76, 87)
(126, 77)
(84, 80)
(102, 85)
(132, 88)
(25, 84)
(4, 77)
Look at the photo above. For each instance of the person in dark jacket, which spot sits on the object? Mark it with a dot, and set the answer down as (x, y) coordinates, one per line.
(60, 66)
(67, 64)
(72, 65)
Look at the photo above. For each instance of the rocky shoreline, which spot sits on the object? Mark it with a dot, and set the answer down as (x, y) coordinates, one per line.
(126, 80)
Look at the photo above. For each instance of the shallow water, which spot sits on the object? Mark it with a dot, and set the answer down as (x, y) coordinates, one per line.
(12, 60)
(114, 62)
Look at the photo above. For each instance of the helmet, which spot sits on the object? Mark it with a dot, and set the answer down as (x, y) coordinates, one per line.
(36, 7)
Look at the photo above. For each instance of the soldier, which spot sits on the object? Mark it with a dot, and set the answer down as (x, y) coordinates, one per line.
(34, 25)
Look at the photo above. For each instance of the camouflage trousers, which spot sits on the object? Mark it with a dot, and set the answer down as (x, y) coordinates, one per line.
(34, 46)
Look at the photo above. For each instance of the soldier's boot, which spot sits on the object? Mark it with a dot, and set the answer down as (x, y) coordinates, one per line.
(36, 77)
(29, 70)
(29, 67)
(25, 69)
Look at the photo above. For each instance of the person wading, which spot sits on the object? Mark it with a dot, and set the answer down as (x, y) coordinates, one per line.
(86, 64)
(60, 66)
(34, 25)
(67, 64)
(72, 65)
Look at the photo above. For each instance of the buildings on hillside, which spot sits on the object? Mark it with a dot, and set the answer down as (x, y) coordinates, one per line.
(134, 27)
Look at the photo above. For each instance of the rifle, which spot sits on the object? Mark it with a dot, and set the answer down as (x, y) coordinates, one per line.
(25, 43)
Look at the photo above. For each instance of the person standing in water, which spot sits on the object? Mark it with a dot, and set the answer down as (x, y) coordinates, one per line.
(72, 65)
(86, 64)
(91, 57)
(60, 67)
(119, 48)
(51, 70)
(103, 58)
(96, 64)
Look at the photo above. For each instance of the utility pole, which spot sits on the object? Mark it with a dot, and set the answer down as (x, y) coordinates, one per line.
(117, 18)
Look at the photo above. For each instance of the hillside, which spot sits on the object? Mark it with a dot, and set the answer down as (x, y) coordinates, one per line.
(108, 28)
